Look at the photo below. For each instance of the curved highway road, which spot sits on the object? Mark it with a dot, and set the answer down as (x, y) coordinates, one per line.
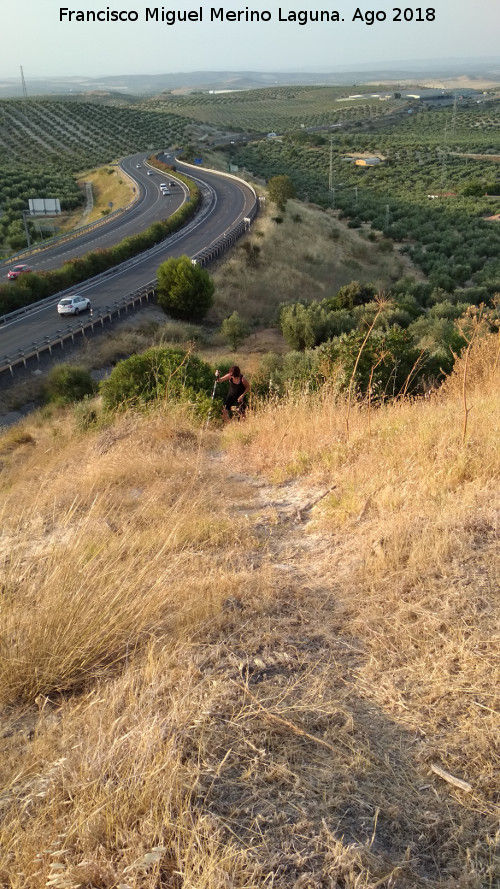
(150, 207)
(230, 201)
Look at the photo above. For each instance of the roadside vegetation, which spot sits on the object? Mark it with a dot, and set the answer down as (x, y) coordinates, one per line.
(33, 286)
(111, 190)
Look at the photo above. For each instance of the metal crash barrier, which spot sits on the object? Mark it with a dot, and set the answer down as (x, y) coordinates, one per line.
(78, 328)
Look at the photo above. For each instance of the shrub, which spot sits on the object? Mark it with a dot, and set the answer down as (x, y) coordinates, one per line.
(280, 189)
(66, 383)
(85, 414)
(158, 373)
(388, 364)
(234, 330)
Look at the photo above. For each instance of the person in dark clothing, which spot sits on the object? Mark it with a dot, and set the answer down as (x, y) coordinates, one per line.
(238, 388)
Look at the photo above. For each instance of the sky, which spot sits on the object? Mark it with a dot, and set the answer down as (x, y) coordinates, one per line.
(34, 36)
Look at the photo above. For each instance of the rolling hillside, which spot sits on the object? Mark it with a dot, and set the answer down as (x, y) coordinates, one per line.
(256, 655)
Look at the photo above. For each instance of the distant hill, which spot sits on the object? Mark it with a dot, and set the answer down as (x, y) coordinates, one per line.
(152, 84)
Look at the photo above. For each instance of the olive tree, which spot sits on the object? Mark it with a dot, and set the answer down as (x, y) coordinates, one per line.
(279, 189)
(234, 329)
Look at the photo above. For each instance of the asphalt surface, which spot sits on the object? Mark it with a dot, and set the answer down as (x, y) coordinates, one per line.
(229, 200)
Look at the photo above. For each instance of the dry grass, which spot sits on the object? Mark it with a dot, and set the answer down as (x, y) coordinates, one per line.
(201, 691)
(414, 556)
(96, 560)
(109, 185)
(325, 255)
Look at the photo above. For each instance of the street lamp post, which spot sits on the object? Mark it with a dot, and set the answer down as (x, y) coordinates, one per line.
(26, 229)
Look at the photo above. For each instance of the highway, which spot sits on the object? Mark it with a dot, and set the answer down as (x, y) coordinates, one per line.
(149, 207)
(227, 201)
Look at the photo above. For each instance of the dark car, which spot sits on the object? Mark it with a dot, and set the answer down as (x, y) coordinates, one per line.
(14, 273)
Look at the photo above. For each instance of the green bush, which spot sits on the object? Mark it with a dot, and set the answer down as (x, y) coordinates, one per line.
(280, 189)
(278, 374)
(306, 326)
(66, 383)
(184, 290)
(234, 330)
(85, 414)
(388, 363)
(158, 373)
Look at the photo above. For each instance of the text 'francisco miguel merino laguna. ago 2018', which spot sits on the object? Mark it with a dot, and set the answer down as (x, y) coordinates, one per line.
(199, 14)
(220, 14)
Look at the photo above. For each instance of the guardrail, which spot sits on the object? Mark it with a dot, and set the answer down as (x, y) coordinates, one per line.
(99, 316)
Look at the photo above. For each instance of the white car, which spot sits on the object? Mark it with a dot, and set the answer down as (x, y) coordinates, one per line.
(73, 305)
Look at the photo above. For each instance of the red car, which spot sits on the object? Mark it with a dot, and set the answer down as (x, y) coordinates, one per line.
(17, 270)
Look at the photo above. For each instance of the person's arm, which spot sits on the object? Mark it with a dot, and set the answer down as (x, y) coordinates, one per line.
(247, 388)
(223, 379)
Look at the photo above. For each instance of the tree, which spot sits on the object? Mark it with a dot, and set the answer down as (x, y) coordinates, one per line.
(234, 329)
(16, 234)
(353, 294)
(279, 189)
(184, 290)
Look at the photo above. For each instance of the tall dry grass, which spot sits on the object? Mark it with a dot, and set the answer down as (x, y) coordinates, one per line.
(105, 541)
(199, 691)
(414, 526)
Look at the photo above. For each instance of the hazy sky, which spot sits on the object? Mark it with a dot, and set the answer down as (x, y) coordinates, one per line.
(34, 36)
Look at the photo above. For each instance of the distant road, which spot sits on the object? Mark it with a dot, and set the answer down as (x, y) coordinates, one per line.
(150, 207)
(231, 202)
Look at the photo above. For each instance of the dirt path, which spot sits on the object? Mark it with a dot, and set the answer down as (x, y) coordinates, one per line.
(332, 777)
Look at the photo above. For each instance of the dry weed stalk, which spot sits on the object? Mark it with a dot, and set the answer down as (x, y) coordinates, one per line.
(416, 367)
(381, 358)
(382, 304)
(471, 326)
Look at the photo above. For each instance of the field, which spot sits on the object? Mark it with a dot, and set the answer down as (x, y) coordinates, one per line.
(452, 157)
(265, 110)
(45, 145)
(451, 153)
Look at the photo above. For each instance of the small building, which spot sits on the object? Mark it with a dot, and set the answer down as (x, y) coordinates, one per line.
(367, 161)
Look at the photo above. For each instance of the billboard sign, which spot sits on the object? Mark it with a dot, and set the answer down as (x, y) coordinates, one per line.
(44, 206)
